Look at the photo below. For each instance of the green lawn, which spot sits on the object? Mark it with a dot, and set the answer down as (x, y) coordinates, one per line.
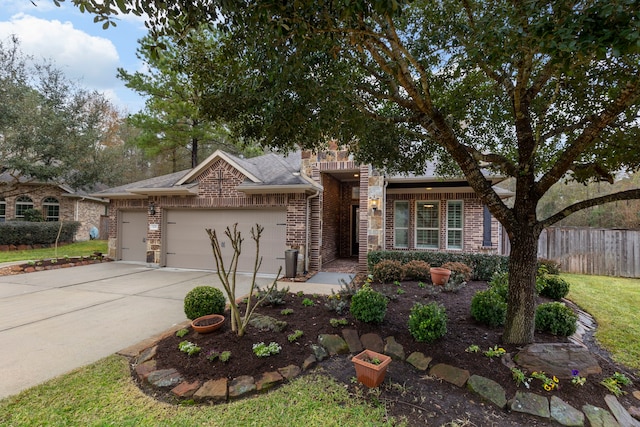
(614, 302)
(74, 249)
(103, 394)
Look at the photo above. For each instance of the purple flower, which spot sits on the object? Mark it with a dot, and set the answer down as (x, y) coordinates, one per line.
(575, 372)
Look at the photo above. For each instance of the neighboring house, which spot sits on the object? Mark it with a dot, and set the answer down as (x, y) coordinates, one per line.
(56, 202)
(325, 205)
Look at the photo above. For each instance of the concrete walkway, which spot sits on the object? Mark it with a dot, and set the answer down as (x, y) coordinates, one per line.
(54, 321)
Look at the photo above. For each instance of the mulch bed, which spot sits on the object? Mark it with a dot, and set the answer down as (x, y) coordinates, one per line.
(407, 393)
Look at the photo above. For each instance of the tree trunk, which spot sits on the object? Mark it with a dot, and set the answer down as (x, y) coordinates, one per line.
(520, 321)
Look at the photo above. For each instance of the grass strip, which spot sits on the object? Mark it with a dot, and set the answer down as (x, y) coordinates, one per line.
(85, 248)
(104, 394)
(614, 303)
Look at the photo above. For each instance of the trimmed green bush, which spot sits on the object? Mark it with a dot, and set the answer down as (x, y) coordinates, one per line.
(416, 270)
(427, 322)
(500, 284)
(489, 308)
(203, 300)
(368, 305)
(482, 265)
(556, 318)
(388, 271)
(36, 233)
(555, 287)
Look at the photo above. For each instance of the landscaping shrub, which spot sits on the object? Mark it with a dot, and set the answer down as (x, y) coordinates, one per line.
(555, 287)
(482, 265)
(500, 284)
(489, 308)
(460, 268)
(427, 322)
(368, 305)
(36, 233)
(203, 300)
(388, 271)
(273, 298)
(556, 318)
(551, 266)
(416, 270)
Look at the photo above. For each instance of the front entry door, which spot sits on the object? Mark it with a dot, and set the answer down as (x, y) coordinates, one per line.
(355, 230)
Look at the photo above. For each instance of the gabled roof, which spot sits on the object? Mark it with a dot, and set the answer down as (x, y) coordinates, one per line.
(269, 173)
(69, 192)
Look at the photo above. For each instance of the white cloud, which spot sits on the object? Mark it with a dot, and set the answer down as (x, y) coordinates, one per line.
(88, 59)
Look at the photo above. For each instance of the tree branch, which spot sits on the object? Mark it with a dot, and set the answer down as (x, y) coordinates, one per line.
(622, 195)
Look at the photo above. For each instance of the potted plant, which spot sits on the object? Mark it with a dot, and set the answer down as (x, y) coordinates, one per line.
(208, 323)
(371, 367)
(439, 275)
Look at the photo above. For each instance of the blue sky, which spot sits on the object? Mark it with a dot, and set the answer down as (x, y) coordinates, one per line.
(86, 53)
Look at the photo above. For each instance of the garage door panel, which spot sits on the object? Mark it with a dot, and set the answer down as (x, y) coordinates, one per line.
(188, 245)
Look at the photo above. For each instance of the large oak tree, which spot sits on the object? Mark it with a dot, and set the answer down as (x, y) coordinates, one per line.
(540, 91)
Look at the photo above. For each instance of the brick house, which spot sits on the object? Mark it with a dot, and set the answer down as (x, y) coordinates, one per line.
(323, 204)
(56, 202)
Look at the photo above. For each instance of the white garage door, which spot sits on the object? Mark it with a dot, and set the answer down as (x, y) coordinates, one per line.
(133, 236)
(188, 245)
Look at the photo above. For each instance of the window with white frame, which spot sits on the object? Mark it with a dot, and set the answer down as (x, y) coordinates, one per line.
(23, 203)
(401, 224)
(427, 224)
(454, 224)
(51, 209)
(3, 210)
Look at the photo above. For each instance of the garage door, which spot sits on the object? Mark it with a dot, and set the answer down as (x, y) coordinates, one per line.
(133, 236)
(188, 245)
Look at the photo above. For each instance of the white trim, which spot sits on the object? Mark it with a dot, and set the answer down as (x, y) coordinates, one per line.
(461, 229)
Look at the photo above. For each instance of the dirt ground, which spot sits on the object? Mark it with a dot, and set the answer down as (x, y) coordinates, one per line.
(407, 393)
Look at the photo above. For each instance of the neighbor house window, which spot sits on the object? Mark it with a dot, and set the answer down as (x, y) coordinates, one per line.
(51, 209)
(427, 224)
(401, 224)
(3, 210)
(454, 224)
(23, 203)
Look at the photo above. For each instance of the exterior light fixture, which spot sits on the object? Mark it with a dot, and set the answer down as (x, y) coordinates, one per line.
(152, 208)
(374, 204)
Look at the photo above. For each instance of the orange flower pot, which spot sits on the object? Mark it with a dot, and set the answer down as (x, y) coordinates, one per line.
(439, 275)
(370, 374)
(206, 324)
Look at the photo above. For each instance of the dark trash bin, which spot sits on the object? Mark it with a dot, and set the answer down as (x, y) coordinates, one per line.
(290, 262)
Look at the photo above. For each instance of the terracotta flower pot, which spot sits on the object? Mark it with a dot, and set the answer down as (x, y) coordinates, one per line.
(439, 275)
(208, 323)
(368, 373)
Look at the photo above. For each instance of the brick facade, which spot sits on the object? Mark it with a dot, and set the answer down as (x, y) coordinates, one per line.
(84, 210)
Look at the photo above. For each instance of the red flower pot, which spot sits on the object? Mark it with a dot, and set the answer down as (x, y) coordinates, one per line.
(439, 275)
(368, 373)
(208, 323)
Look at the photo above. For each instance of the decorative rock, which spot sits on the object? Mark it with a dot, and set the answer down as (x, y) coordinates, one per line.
(636, 394)
(215, 390)
(144, 369)
(267, 323)
(394, 349)
(186, 389)
(419, 360)
(241, 385)
(309, 362)
(450, 374)
(147, 354)
(319, 352)
(530, 403)
(290, 371)
(634, 411)
(164, 378)
(333, 343)
(565, 414)
(372, 342)
(268, 380)
(558, 359)
(488, 389)
(353, 340)
(619, 412)
(599, 417)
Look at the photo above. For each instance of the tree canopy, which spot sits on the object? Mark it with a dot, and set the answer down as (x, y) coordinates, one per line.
(50, 130)
(540, 91)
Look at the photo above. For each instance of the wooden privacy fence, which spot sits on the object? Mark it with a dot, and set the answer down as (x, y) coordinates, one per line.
(598, 251)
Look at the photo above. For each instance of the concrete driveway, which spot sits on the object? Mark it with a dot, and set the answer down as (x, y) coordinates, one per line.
(54, 321)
